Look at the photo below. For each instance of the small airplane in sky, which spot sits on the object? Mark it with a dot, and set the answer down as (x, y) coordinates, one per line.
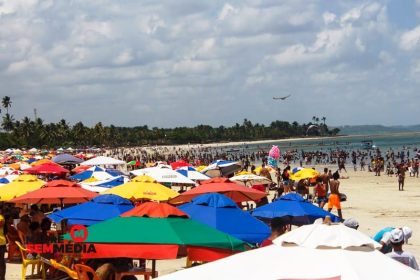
(281, 98)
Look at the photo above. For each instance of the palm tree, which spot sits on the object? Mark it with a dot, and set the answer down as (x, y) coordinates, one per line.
(8, 122)
(6, 103)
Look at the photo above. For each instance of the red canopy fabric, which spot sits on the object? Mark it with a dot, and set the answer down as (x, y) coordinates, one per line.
(154, 210)
(234, 191)
(47, 168)
(179, 163)
(57, 192)
(80, 168)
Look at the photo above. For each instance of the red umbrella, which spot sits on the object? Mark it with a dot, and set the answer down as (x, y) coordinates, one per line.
(80, 168)
(57, 192)
(234, 191)
(179, 163)
(47, 168)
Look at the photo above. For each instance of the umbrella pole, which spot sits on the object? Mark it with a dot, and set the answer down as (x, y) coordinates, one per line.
(153, 268)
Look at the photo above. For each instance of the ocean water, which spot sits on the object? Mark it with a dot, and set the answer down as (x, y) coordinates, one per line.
(396, 141)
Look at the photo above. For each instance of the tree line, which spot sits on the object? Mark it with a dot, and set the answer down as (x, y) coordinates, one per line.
(36, 133)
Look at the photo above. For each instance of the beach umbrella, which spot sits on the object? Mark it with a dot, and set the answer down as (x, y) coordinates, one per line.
(6, 170)
(192, 174)
(304, 173)
(290, 260)
(47, 168)
(56, 192)
(96, 172)
(154, 231)
(21, 185)
(102, 160)
(221, 168)
(143, 187)
(164, 175)
(42, 161)
(101, 186)
(8, 179)
(80, 168)
(294, 209)
(66, 159)
(234, 191)
(250, 179)
(180, 163)
(222, 213)
(100, 208)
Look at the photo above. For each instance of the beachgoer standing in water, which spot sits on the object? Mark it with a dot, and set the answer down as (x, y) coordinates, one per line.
(334, 199)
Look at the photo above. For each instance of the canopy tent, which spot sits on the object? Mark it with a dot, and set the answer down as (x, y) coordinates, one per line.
(164, 175)
(143, 188)
(192, 174)
(234, 191)
(222, 213)
(66, 159)
(102, 160)
(21, 185)
(347, 255)
(56, 192)
(100, 208)
(294, 209)
(221, 168)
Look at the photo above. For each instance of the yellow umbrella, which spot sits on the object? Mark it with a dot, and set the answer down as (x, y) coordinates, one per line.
(90, 180)
(20, 186)
(258, 169)
(42, 161)
(243, 173)
(201, 167)
(304, 173)
(143, 187)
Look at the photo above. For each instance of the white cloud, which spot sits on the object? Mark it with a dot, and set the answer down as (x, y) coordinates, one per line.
(410, 39)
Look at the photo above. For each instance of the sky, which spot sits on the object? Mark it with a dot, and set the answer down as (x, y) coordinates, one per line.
(188, 62)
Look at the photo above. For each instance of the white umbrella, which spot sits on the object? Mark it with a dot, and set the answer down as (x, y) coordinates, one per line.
(163, 175)
(321, 236)
(101, 160)
(299, 262)
(250, 179)
(192, 174)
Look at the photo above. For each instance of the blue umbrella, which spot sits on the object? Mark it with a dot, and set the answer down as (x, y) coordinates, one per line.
(101, 208)
(95, 171)
(222, 213)
(221, 168)
(293, 208)
(66, 158)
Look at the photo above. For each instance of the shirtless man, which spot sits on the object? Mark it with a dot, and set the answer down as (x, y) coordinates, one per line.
(326, 180)
(334, 199)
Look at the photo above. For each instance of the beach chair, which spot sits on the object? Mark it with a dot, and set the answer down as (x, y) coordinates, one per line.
(35, 263)
(85, 272)
(13, 253)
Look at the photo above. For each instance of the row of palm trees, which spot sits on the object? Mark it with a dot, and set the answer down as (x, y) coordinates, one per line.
(36, 133)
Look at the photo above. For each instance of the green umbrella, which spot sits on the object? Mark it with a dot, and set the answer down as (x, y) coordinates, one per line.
(133, 162)
(155, 231)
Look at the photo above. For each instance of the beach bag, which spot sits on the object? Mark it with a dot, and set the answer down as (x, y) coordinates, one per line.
(343, 197)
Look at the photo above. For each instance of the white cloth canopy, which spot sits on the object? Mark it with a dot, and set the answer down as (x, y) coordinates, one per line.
(163, 175)
(298, 255)
(102, 160)
(250, 179)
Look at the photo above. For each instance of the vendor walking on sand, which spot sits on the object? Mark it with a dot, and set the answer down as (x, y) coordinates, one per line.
(334, 199)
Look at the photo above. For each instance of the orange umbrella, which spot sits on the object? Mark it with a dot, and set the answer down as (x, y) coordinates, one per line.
(57, 192)
(234, 191)
(42, 161)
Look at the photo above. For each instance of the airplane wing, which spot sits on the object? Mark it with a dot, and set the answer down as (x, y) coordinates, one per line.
(281, 98)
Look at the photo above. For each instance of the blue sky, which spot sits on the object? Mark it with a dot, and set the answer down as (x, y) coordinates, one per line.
(188, 62)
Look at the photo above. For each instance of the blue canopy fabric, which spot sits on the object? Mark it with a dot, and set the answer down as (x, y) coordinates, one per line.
(222, 213)
(66, 158)
(101, 208)
(113, 182)
(293, 208)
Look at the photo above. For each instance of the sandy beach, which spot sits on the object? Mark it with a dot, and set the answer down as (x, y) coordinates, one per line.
(374, 201)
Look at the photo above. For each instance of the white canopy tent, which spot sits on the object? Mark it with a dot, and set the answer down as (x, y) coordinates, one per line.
(164, 175)
(102, 160)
